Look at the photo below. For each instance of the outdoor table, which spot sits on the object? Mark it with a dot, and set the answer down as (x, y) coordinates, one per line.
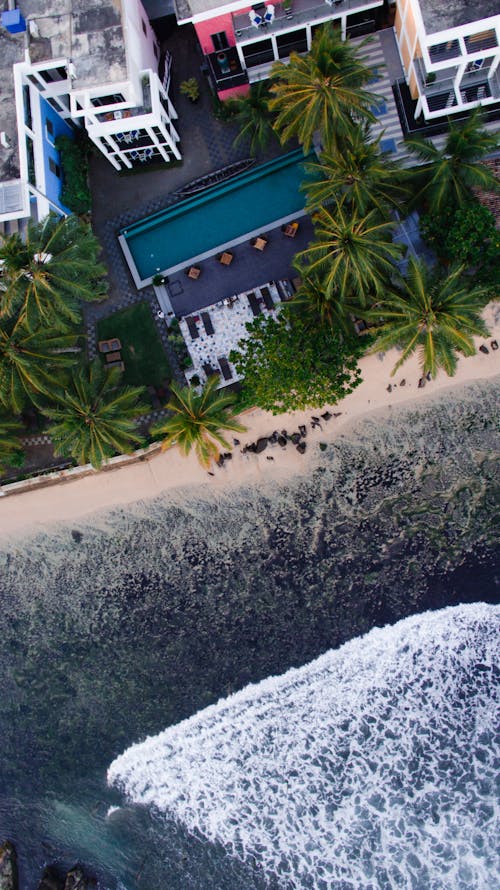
(260, 243)
(226, 258)
(194, 272)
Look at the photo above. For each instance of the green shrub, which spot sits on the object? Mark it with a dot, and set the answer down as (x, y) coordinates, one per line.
(75, 192)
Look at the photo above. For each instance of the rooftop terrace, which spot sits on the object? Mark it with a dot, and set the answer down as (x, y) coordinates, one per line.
(439, 15)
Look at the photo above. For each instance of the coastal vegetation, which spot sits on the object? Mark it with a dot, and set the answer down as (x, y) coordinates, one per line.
(290, 364)
(253, 117)
(197, 421)
(93, 416)
(433, 312)
(10, 430)
(322, 92)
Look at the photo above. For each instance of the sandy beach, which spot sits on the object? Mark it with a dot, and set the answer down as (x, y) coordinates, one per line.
(72, 499)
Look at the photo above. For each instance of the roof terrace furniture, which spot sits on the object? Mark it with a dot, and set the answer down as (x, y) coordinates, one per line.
(291, 229)
(260, 243)
(226, 258)
(194, 272)
(226, 370)
(268, 300)
(109, 345)
(254, 304)
(192, 327)
(115, 356)
(207, 321)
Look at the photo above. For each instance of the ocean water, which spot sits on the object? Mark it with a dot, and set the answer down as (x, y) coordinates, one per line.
(344, 773)
(127, 623)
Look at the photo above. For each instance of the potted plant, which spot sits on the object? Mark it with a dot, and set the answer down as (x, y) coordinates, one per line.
(191, 89)
(431, 77)
(287, 6)
(158, 279)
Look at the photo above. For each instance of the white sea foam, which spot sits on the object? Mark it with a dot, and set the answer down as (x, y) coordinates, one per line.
(372, 767)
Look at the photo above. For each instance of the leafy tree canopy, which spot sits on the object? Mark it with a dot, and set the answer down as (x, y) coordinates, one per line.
(198, 419)
(434, 314)
(45, 276)
(252, 115)
(10, 430)
(324, 91)
(290, 365)
(94, 417)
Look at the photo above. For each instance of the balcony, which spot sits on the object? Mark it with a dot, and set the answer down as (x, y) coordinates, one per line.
(225, 69)
(479, 42)
(442, 52)
(302, 12)
(434, 83)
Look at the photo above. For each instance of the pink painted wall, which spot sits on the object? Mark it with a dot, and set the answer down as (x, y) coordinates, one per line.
(213, 26)
(234, 91)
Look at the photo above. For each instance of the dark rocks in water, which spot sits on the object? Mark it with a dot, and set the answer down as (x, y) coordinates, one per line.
(315, 419)
(301, 447)
(282, 441)
(273, 438)
(484, 349)
(8, 867)
(261, 444)
(76, 535)
(322, 446)
(402, 382)
(77, 880)
(494, 344)
(252, 447)
(326, 415)
(295, 438)
(269, 457)
(303, 430)
(51, 879)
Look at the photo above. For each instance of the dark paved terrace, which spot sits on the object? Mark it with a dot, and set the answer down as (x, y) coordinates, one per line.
(249, 268)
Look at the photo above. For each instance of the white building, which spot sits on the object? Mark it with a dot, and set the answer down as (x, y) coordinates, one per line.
(450, 51)
(91, 64)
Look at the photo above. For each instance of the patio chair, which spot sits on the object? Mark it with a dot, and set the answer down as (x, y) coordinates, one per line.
(290, 229)
(193, 272)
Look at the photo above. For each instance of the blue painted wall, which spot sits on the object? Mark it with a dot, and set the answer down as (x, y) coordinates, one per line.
(53, 183)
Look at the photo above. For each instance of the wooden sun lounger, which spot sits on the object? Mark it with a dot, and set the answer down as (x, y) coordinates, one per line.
(254, 304)
(268, 300)
(226, 370)
(207, 321)
(192, 327)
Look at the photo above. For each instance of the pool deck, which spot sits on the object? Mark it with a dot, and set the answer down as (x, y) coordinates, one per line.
(250, 268)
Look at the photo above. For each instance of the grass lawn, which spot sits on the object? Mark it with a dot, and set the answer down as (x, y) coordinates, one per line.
(145, 361)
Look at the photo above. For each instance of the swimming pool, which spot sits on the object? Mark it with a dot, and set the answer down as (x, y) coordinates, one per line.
(220, 217)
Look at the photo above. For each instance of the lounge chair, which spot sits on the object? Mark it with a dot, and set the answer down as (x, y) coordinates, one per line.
(207, 321)
(268, 300)
(192, 327)
(226, 370)
(254, 304)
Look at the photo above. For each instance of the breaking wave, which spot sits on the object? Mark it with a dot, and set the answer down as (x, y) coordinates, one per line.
(371, 767)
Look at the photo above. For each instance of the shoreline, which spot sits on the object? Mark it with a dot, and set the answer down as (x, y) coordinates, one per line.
(150, 476)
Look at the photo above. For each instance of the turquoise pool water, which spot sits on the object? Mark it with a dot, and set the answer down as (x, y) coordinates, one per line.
(224, 213)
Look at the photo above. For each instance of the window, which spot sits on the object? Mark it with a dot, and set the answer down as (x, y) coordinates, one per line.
(107, 100)
(258, 53)
(50, 127)
(219, 40)
(54, 168)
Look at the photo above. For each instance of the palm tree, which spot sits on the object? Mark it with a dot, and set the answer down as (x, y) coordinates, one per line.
(197, 420)
(434, 314)
(447, 175)
(94, 417)
(252, 115)
(46, 276)
(354, 254)
(9, 442)
(30, 363)
(357, 172)
(314, 301)
(323, 91)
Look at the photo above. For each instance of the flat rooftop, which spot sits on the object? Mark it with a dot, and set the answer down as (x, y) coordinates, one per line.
(439, 15)
(89, 32)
